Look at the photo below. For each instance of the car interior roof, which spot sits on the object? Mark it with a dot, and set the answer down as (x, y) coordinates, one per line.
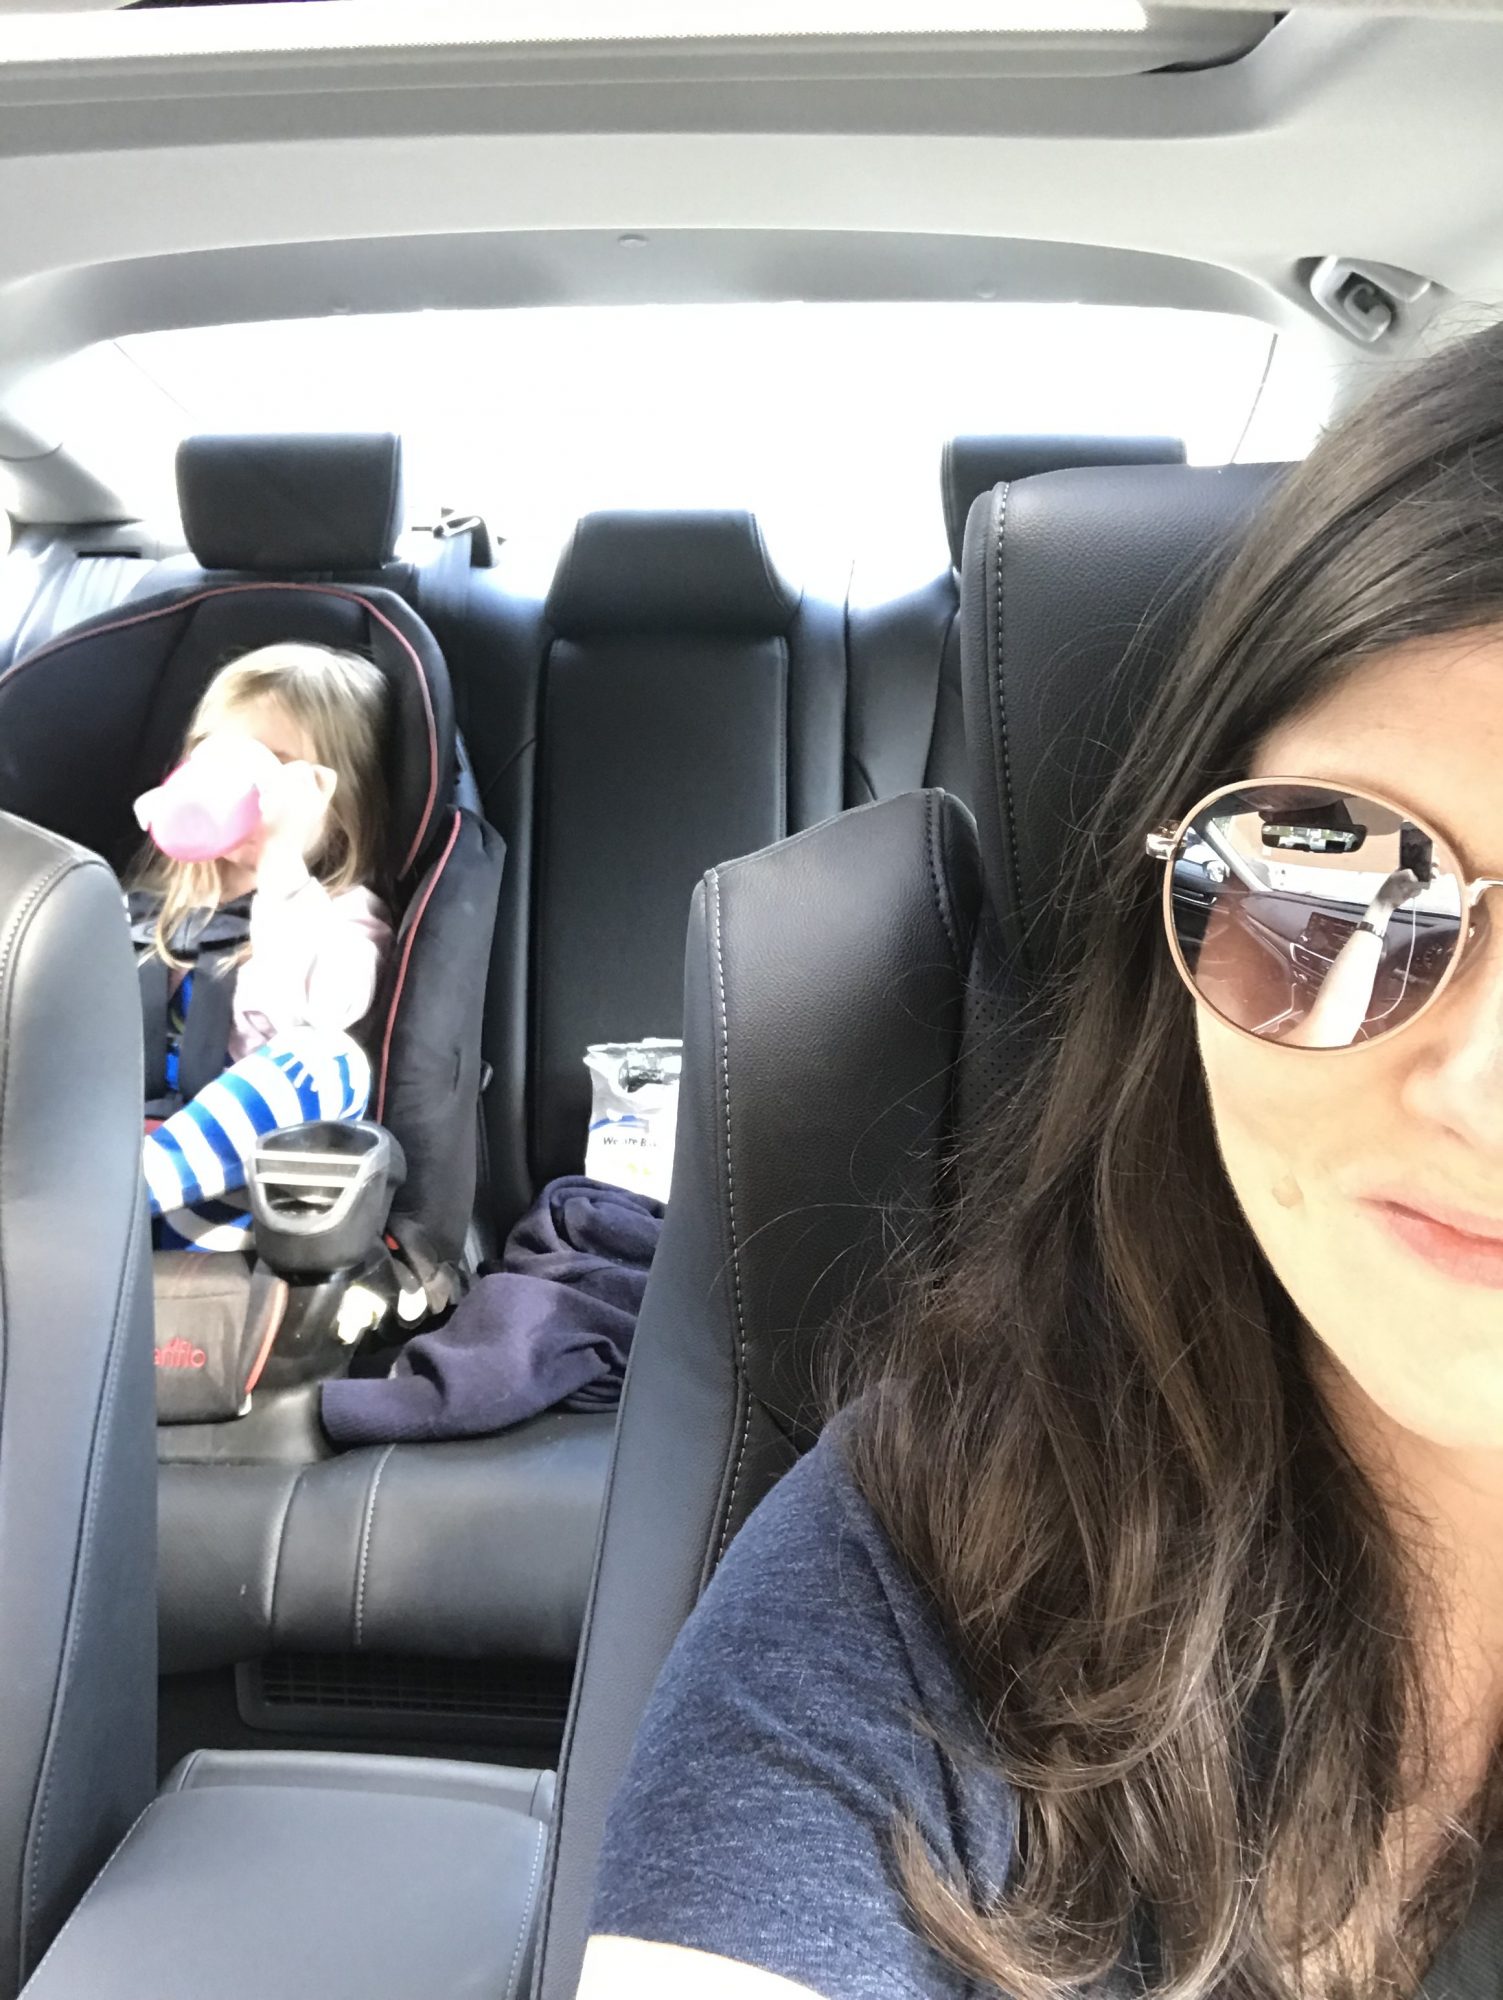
(270, 184)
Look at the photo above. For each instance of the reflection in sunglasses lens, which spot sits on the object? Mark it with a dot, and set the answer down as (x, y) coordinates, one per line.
(1312, 916)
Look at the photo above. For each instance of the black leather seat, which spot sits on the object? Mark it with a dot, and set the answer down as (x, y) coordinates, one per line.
(905, 727)
(314, 1876)
(851, 1002)
(77, 1477)
(693, 704)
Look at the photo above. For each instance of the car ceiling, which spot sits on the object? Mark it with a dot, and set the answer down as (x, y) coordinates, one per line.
(198, 189)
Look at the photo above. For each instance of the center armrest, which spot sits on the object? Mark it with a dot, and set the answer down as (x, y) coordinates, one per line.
(315, 1877)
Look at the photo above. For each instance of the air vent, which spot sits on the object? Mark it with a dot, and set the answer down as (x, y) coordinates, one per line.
(389, 1695)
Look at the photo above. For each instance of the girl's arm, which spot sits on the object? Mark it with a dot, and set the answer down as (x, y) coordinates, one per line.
(315, 959)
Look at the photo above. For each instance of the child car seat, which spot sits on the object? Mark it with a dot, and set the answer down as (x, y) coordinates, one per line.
(92, 719)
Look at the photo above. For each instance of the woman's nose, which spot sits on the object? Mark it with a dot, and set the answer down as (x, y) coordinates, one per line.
(1457, 1079)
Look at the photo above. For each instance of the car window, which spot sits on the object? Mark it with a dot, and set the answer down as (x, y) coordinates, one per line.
(827, 419)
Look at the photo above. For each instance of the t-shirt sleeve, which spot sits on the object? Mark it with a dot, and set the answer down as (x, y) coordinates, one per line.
(779, 1748)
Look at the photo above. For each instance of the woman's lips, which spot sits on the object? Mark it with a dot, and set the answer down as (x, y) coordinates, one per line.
(1469, 1249)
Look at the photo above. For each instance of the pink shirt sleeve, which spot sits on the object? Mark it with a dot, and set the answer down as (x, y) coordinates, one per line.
(314, 963)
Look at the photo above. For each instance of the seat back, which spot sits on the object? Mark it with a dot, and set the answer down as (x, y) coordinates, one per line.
(95, 717)
(1078, 590)
(77, 1465)
(851, 1003)
(823, 995)
(906, 724)
(692, 707)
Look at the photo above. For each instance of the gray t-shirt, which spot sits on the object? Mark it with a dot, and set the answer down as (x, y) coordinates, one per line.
(802, 1709)
(781, 1744)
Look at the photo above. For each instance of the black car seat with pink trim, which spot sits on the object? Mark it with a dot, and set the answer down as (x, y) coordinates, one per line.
(90, 720)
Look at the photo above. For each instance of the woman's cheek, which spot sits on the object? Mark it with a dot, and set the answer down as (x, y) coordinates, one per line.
(1266, 1118)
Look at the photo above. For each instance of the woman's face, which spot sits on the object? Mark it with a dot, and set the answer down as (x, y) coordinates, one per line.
(1369, 1175)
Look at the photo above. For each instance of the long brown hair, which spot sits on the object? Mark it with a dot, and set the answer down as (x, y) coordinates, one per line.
(1189, 1628)
(338, 700)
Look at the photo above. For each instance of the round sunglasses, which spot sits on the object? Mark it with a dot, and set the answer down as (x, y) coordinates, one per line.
(1311, 915)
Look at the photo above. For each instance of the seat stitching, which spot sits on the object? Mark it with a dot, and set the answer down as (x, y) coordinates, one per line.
(85, 1899)
(724, 1065)
(527, 1904)
(999, 529)
(365, 1543)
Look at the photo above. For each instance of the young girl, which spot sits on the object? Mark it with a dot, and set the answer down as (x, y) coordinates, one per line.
(317, 939)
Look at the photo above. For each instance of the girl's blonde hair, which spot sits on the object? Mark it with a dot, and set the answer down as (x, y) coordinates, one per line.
(338, 701)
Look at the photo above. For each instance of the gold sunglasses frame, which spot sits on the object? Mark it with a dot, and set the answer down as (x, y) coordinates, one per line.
(1164, 843)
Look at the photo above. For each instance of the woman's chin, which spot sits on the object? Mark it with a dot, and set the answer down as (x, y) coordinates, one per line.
(1432, 1366)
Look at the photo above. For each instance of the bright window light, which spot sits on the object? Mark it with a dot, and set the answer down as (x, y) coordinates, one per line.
(827, 419)
(56, 36)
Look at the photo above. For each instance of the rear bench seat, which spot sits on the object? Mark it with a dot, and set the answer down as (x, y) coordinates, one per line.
(689, 706)
(669, 703)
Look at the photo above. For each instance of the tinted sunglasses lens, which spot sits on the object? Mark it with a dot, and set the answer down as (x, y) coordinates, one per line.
(1313, 916)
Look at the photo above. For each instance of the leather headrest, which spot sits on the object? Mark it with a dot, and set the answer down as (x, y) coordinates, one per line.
(1078, 589)
(294, 504)
(972, 465)
(704, 572)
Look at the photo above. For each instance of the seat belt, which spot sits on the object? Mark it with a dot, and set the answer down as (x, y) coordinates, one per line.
(211, 946)
(152, 973)
(203, 1046)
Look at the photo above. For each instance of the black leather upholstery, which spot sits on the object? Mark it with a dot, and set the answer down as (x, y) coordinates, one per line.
(481, 1549)
(291, 504)
(1078, 589)
(313, 1877)
(906, 725)
(822, 1015)
(625, 572)
(77, 1698)
(975, 464)
(527, 1792)
(700, 720)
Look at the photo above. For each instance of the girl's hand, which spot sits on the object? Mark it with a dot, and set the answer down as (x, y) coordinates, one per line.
(294, 809)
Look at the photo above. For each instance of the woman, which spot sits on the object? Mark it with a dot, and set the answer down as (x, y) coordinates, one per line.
(1140, 1627)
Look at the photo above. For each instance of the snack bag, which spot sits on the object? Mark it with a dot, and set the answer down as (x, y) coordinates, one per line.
(634, 1113)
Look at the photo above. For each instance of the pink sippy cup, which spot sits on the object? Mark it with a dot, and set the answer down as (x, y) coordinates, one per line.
(212, 802)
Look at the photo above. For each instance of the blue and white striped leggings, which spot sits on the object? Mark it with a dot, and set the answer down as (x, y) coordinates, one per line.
(202, 1153)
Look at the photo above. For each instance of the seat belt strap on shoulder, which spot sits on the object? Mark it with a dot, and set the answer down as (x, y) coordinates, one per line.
(203, 1049)
(152, 973)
